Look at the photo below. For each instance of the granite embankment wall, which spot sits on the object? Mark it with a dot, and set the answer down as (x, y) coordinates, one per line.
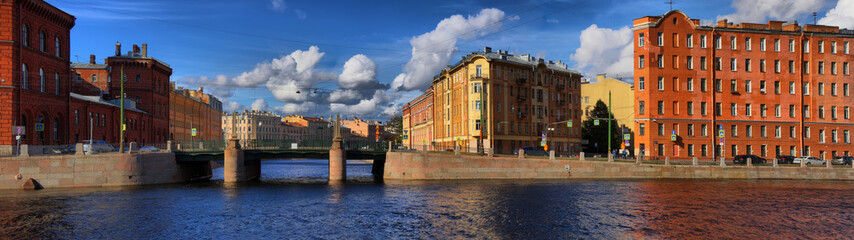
(432, 166)
(109, 169)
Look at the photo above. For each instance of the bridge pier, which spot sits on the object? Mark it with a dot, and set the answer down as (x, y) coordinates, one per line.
(337, 156)
(234, 169)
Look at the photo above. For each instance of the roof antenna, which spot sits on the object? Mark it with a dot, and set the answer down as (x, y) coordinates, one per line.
(78, 58)
(670, 2)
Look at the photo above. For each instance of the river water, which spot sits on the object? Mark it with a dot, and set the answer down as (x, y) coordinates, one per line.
(293, 201)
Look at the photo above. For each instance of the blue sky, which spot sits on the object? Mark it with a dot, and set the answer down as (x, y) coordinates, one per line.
(244, 51)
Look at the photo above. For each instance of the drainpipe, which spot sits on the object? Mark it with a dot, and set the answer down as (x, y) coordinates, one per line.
(801, 85)
(713, 91)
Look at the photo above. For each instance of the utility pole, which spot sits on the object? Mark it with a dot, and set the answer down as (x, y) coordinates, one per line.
(609, 122)
(91, 124)
(121, 114)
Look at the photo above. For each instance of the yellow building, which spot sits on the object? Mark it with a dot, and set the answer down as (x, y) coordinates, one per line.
(622, 99)
(253, 125)
(189, 109)
(526, 98)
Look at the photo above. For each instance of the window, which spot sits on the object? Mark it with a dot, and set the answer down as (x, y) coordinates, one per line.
(24, 77)
(792, 88)
(821, 89)
(847, 113)
(675, 62)
(703, 63)
(703, 85)
(776, 87)
(640, 84)
(689, 40)
(732, 43)
(792, 133)
(807, 134)
(821, 135)
(833, 47)
(763, 131)
(641, 107)
(732, 86)
(660, 107)
(777, 110)
(845, 89)
(675, 108)
(661, 129)
(138, 79)
(640, 62)
(761, 65)
(660, 39)
(791, 45)
(748, 131)
(762, 110)
(747, 64)
(41, 80)
(733, 63)
(820, 46)
(703, 42)
(704, 150)
(776, 66)
(748, 109)
(477, 105)
(833, 89)
(661, 83)
(733, 130)
(762, 44)
(640, 40)
(847, 136)
(791, 66)
(718, 64)
(833, 112)
(733, 109)
(806, 44)
(641, 129)
(689, 84)
(806, 111)
(41, 41)
(845, 70)
(703, 108)
(690, 108)
(704, 130)
(56, 48)
(821, 112)
(718, 109)
(820, 67)
(747, 86)
(792, 110)
(691, 150)
(777, 132)
(833, 68)
(747, 44)
(777, 44)
(660, 60)
(806, 88)
(845, 47)
(718, 87)
(56, 83)
(24, 35)
(718, 42)
(689, 63)
(675, 39)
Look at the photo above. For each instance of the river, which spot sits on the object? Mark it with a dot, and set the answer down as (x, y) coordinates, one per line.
(293, 201)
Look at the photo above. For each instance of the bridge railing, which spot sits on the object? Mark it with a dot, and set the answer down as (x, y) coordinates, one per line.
(315, 144)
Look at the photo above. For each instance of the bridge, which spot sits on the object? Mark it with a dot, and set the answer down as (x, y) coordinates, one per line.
(241, 158)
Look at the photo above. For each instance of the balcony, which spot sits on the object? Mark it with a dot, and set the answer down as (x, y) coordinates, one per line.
(521, 98)
(521, 80)
(479, 76)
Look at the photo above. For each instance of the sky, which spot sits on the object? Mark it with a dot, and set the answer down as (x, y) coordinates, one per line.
(368, 58)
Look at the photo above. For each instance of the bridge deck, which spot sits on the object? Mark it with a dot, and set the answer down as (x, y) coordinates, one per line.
(260, 154)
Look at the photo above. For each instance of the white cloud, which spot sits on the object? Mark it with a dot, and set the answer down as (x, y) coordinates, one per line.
(433, 50)
(842, 15)
(605, 50)
(290, 108)
(344, 96)
(758, 11)
(230, 106)
(278, 5)
(260, 105)
(368, 107)
(359, 71)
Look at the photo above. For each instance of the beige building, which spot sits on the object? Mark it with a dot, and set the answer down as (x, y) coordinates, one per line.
(253, 125)
(361, 128)
(622, 99)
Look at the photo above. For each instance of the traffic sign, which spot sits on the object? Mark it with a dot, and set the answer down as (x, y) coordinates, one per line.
(627, 143)
(627, 137)
(405, 137)
(596, 122)
(194, 132)
(569, 124)
(721, 133)
(673, 138)
(623, 146)
(19, 130)
(542, 143)
(39, 127)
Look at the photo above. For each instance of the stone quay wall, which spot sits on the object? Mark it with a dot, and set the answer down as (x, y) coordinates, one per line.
(435, 166)
(101, 170)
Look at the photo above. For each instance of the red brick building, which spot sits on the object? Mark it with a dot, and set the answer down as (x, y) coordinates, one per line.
(147, 83)
(34, 71)
(418, 122)
(773, 89)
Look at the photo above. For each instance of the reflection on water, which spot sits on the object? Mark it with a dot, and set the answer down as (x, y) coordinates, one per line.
(294, 201)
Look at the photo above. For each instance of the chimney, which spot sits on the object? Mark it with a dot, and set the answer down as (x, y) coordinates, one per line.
(135, 49)
(487, 49)
(145, 50)
(600, 77)
(92, 59)
(118, 49)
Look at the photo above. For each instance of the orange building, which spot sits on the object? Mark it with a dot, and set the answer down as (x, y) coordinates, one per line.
(189, 109)
(768, 89)
(362, 128)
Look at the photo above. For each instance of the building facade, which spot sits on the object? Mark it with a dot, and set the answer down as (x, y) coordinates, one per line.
(147, 83)
(253, 125)
(365, 129)
(622, 99)
(194, 109)
(521, 97)
(765, 89)
(418, 122)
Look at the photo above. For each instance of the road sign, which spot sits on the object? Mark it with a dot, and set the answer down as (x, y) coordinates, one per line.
(721, 133)
(405, 137)
(569, 124)
(623, 146)
(627, 137)
(19, 130)
(596, 122)
(627, 143)
(673, 138)
(124, 127)
(542, 143)
(39, 127)
(722, 141)
(194, 132)
(423, 140)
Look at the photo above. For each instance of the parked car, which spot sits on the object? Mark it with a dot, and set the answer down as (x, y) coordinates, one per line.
(531, 151)
(842, 160)
(67, 150)
(808, 160)
(742, 159)
(148, 149)
(785, 159)
(97, 146)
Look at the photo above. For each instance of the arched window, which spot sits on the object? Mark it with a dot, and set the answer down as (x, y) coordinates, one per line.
(56, 49)
(56, 129)
(138, 78)
(41, 41)
(41, 79)
(94, 78)
(24, 77)
(24, 33)
(76, 117)
(40, 134)
(56, 83)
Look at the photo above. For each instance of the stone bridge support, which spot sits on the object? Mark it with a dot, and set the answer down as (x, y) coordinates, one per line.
(337, 156)
(236, 168)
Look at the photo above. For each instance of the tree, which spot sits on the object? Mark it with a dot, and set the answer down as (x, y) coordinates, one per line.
(597, 135)
(394, 127)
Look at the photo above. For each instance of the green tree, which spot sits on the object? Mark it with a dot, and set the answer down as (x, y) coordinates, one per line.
(394, 128)
(597, 135)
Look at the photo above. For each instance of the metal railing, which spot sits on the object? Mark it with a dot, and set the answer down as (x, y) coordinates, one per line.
(307, 144)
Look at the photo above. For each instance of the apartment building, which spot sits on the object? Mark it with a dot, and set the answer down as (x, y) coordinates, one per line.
(727, 89)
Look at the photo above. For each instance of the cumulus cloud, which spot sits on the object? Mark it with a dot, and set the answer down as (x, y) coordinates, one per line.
(217, 86)
(842, 15)
(359, 71)
(344, 96)
(303, 107)
(433, 50)
(259, 105)
(758, 11)
(378, 105)
(605, 50)
(278, 5)
(230, 106)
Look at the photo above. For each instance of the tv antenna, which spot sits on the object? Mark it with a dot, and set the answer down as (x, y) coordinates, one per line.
(78, 57)
(670, 2)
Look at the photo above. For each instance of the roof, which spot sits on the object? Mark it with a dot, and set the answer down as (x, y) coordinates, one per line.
(524, 59)
(88, 66)
(99, 100)
(132, 55)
